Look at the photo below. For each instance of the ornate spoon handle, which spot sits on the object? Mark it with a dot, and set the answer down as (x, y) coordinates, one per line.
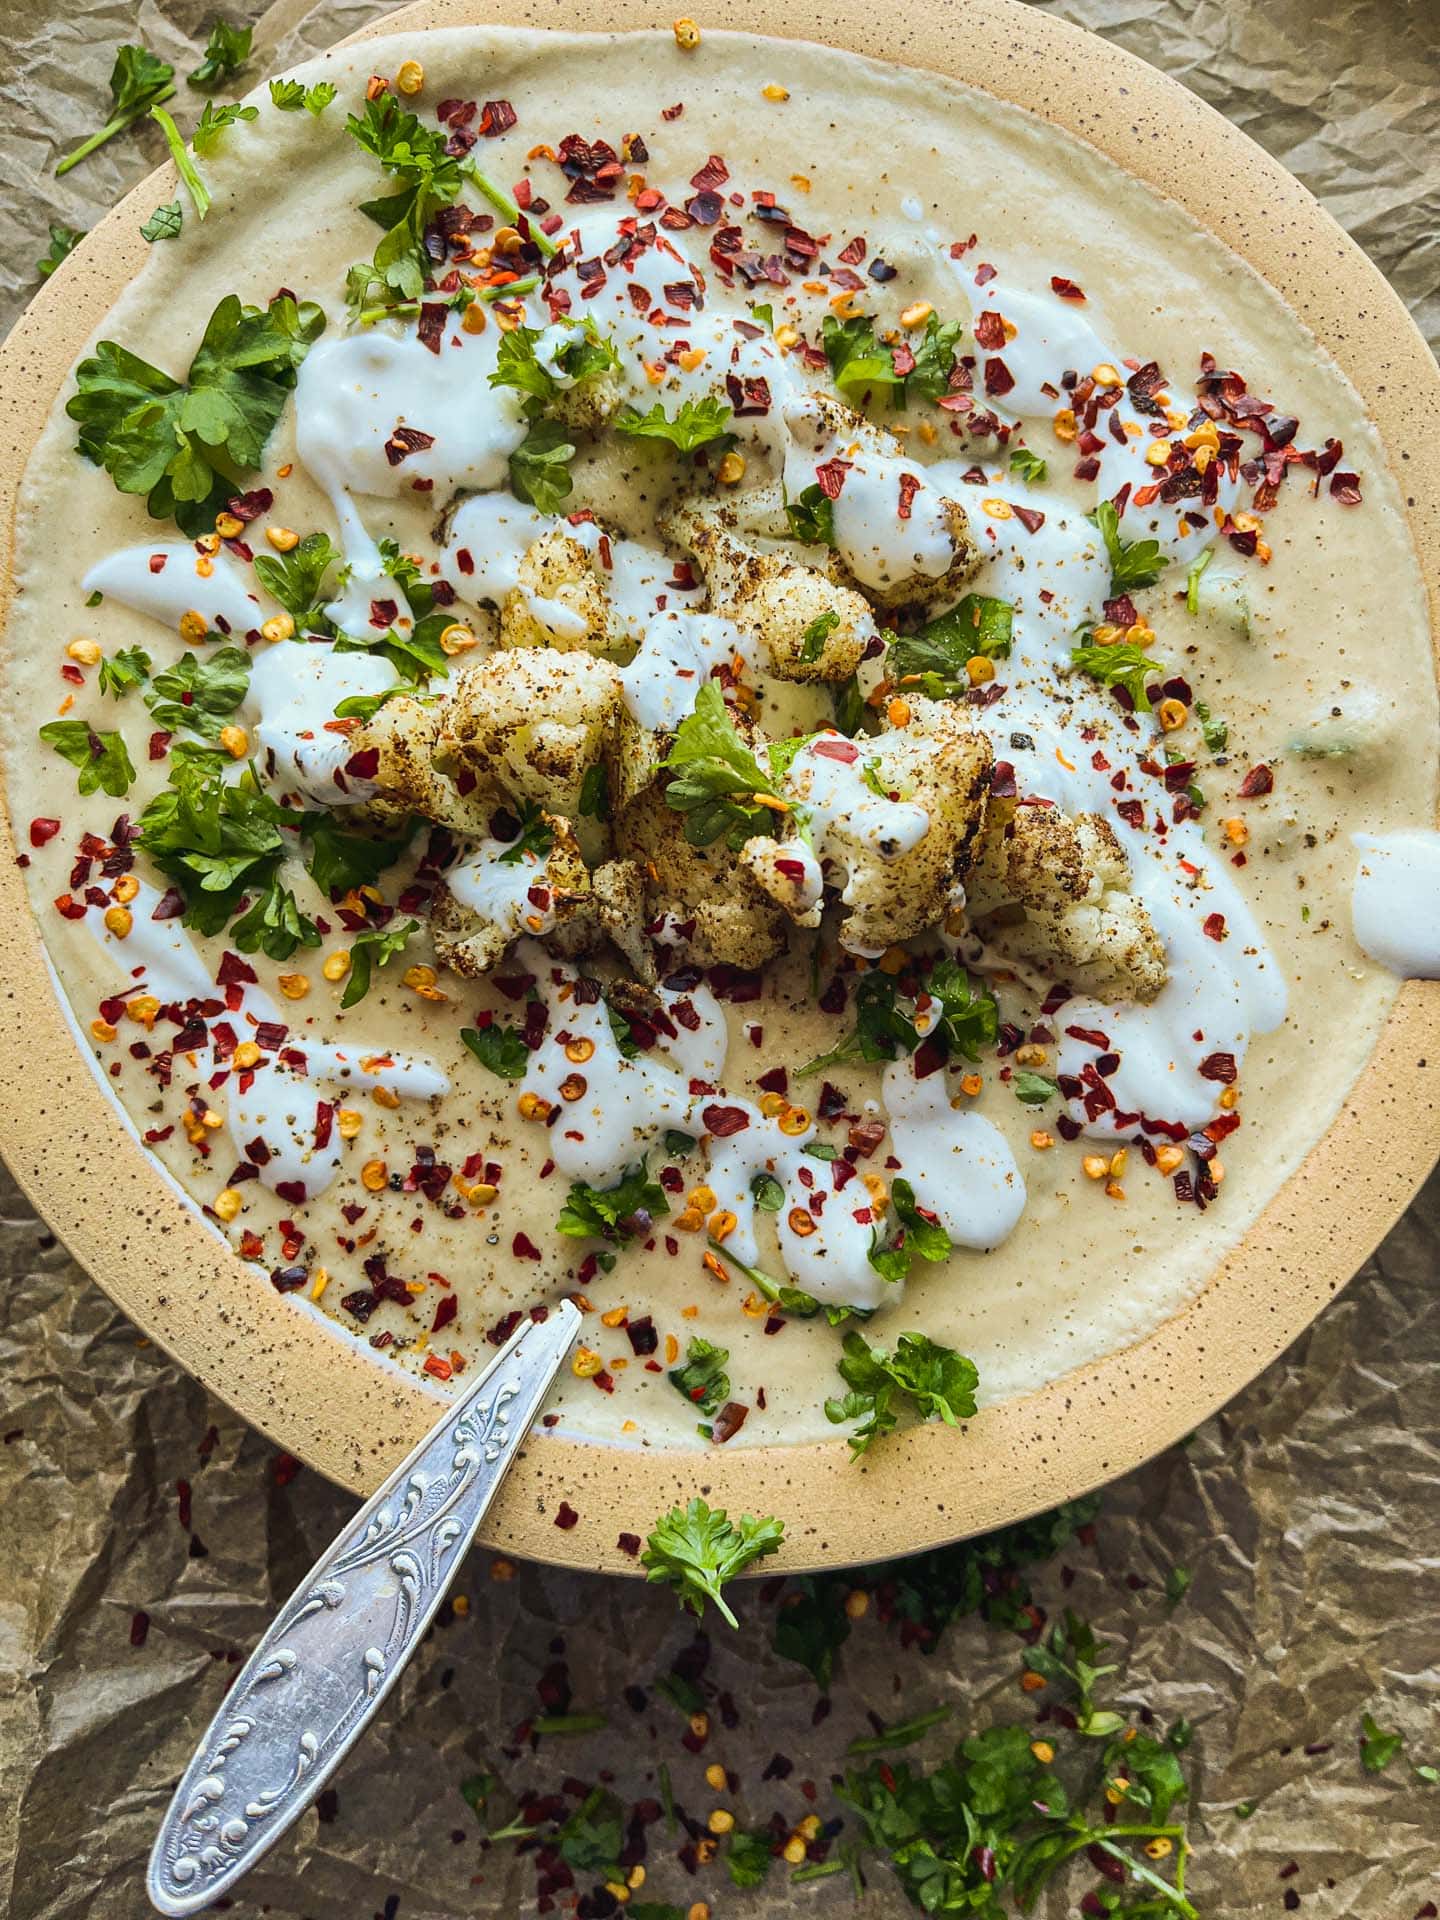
(339, 1643)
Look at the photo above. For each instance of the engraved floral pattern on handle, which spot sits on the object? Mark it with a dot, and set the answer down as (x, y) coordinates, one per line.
(341, 1640)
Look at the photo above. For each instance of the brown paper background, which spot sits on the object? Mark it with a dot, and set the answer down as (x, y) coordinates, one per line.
(1309, 1511)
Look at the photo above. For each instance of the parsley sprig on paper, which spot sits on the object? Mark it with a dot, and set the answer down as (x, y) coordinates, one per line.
(139, 80)
(226, 51)
(696, 1549)
(186, 445)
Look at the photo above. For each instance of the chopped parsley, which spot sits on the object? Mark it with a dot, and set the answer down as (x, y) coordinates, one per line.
(139, 80)
(1028, 466)
(540, 466)
(339, 861)
(1121, 665)
(812, 517)
(938, 1384)
(297, 579)
(376, 947)
(863, 365)
(226, 51)
(1194, 577)
(1033, 1089)
(696, 423)
(181, 443)
(619, 1214)
(749, 1856)
(164, 223)
(963, 1020)
(812, 641)
(767, 1193)
(910, 1233)
(102, 758)
(291, 95)
(1133, 563)
(595, 793)
(534, 835)
(1377, 1747)
(703, 1379)
(499, 1048)
(1216, 733)
(937, 656)
(696, 1549)
(63, 242)
(215, 120)
(715, 777)
(585, 356)
(198, 693)
(428, 179)
(121, 671)
(849, 707)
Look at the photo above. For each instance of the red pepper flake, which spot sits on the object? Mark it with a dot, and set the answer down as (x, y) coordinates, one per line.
(728, 1422)
(524, 1248)
(1029, 517)
(984, 274)
(404, 441)
(1066, 289)
(843, 750)
(831, 477)
(565, 1516)
(43, 830)
(672, 113)
(1258, 780)
(1219, 1066)
(431, 329)
(713, 174)
(139, 1628)
(990, 332)
(998, 378)
(629, 1543)
(446, 1310)
(909, 487)
(1345, 487)
(158, 742)
(157, 562)
(1214, 927)
(721, 1122)
(496, 117)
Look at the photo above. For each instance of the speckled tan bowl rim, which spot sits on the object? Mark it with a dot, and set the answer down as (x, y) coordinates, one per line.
(323, 1396)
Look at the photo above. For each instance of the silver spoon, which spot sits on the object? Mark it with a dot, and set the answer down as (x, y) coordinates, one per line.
(341, 1641)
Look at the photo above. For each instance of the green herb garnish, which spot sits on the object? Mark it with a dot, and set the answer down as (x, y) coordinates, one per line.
(429, 179)
(585, 356)
(715, 776)
(911, 1233)
(1133, 563)
(291, 95)
(938, 655)
(102, 758)
(703, 1379)
(198, 692)
(121, 671)
(138, 81)
(226, 51)
(884, 1029)
(1193, 578)
(540, 466)
(214, 121)
(696, 423)
(1028, 466)
(499, 1048)
(938, 1384)
(63, 242)
(696, 1549)
(812, 641)
(812, 517)
(376, 947)
(1120, 665)
(1033, 1089)
(164, 223)
(619, 1214)
(536, 836)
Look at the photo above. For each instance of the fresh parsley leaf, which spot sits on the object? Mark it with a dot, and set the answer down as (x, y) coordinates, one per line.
(123, 670)
(767, 1193)
(586, 355)
(1033, 1089)
(1121, 665)
(1193, 578)
(812, 641)
(1377, 1747)
(535, 835)
(138, 80)
(703, 1379)
(63, 242)
(181, 444)
(102, 758)
(1028, 466)
(595, 793)
(937, 1382)
(812, 517)
(591, 1839)
(376, 947)
(197, 693)
(1133, 563)
(214, 121)
(364, 706)
(1069, 1655)
(226, 51)
(696, 424)
(910, 1233)
(340, 861)
(962, 1020)
(540, 466)
(429, 179)
(1216, 733)
(164, 223)
(939, 653)
(416, 656)
(297, 579)
(190, 176)
(1177, 1584)
(749, 1857)
(619, 1214)
(696, 1549)
(967, 1020)
(499, 1048)
(291, 95)
(714, 776)
(273, 923)
(861, 364)
(882, 1030)
(934, 353)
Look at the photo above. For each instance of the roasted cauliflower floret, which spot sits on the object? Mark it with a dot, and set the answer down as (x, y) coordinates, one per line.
(702, 902)
(897, 538)
(531, 723)
(486, 901)
(398, 745)
(1054, 890)
(892, 822)
(560, 601)
(810, 627)
(614, 909)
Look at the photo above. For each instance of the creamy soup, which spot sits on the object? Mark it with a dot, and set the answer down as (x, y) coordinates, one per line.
(767, 719)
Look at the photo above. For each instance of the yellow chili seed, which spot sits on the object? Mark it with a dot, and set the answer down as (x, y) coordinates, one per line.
(615, 1317)
(1168, 1159)
(280, 627)
(1064, 425)
(1236, 832)
(1041, 1140)
(409, 76)
(335, 966)
(373, 1175)
(235, 741)
(687, 34)
(385, 1096)
(876, 1188)
(143, 1010)
(755, 1306)
(700, 1725)
(586, 1364)
(457, 638)
(418, 977)
(698, 1910)
(1159, 1848)
(898, 712)
(1105, 375)
(636, 1876)
(971, 1083)
(348, 1123)
(1095, 1166)
(531, 1107)
(86, 652)
(916, 314)
(979, 668)
(1117, 1162)
(579, 1050)
(1030, 1055)
(247, 1054)
(721, 1820)
(1230, 1098)
(573, 1087)
(294, 986)
(228, 1202)
(283, 539)
(715, 1777)
(689, 1220)
(1157, 454)
(1216, 1170)
(857, 1605)
(229, 526)
(102, 1030)
(787, 337)
(1114, 1190)
(119, 920)
(731, 469)
(703, 1199)
(473, 319)
(1043, 1751)
(796, 1120)
(774, 92)
(722, 1224)
(1172, 714)
(773, 1103)
(125, 889)
(690, 358)
(793, 1851)
(997, 508)
(801, 1222)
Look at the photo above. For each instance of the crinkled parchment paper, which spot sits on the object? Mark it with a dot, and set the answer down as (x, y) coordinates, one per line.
(135, 1509)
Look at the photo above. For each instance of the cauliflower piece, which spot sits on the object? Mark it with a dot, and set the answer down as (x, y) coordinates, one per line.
(560, 601)
(707, 905)
(485, 902)
(1054, 890)
(402, 735)
(891, 822)
(897, 538)
(614, 909)
(530, 722)
(794, 611)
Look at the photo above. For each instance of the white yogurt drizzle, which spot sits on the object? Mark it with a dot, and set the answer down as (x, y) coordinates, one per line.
(1395, 906)
(169, 579)
(295, 687)
(499, 890)
(280, 1107)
